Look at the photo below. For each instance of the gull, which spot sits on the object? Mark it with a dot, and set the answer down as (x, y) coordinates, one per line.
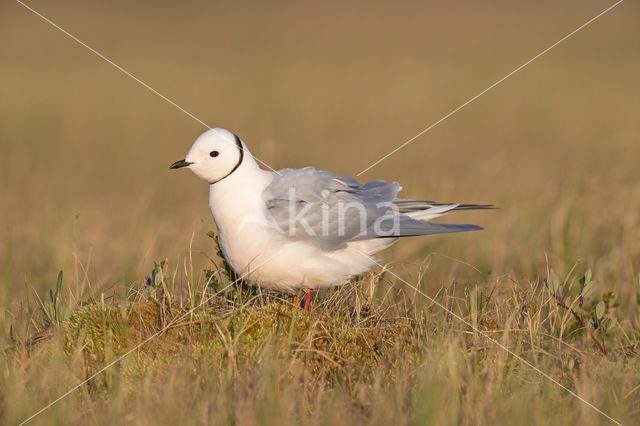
(307, 229)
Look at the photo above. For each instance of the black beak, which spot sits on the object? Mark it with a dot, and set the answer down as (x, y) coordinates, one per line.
(179, 164)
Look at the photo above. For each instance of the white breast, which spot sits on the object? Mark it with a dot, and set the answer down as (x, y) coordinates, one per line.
(240, 216)
(257, 250)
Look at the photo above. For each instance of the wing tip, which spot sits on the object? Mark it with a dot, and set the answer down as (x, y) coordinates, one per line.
(476, 207)
(464, 227)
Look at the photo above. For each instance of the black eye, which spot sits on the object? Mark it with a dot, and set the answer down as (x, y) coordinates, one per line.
(214, 153)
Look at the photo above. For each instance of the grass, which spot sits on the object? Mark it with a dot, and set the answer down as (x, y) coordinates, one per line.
(85, 190)
(364, 353)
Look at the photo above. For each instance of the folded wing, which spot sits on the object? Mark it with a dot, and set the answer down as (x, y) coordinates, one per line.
(330, 210)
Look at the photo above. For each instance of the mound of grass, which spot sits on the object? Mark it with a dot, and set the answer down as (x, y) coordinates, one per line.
(328, 341)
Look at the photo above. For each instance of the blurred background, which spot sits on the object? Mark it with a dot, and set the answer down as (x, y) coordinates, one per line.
(84, 179)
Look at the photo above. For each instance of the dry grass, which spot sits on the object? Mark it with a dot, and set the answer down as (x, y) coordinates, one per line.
(363, 354)
(85, 189)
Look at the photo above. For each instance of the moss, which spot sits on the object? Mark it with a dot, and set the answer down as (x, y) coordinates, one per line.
(221, 334)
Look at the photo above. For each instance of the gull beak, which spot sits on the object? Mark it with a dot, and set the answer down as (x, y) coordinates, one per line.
(179, 164)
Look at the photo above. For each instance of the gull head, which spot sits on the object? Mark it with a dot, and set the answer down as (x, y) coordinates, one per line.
(214, 155)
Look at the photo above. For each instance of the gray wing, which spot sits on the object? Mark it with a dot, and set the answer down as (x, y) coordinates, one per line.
(331, 210)
(325, 207)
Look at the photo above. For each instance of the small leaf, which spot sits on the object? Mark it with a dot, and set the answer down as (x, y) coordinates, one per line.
(608, 296)
(611, 323)
(59, 284)
(588, 275)
(589, 288)
(600, 308)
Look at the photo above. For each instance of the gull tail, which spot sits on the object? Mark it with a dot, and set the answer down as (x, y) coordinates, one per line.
(413, 218)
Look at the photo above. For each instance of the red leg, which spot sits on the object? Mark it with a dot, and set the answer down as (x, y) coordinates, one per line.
(295, 301)
(307, 300)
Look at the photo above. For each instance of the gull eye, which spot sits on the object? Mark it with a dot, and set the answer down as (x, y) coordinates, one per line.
(214, 153)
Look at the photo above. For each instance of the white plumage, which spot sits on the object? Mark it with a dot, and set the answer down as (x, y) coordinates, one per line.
(303, 228)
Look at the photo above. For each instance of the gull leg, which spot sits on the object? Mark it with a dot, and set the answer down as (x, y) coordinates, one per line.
(295, 300)
(307, 300)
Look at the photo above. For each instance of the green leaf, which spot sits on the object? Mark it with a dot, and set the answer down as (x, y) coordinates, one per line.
(587, 275)
(600, 308)
(589, 288)
(611, 323)
(59, 284)
(608, 296)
